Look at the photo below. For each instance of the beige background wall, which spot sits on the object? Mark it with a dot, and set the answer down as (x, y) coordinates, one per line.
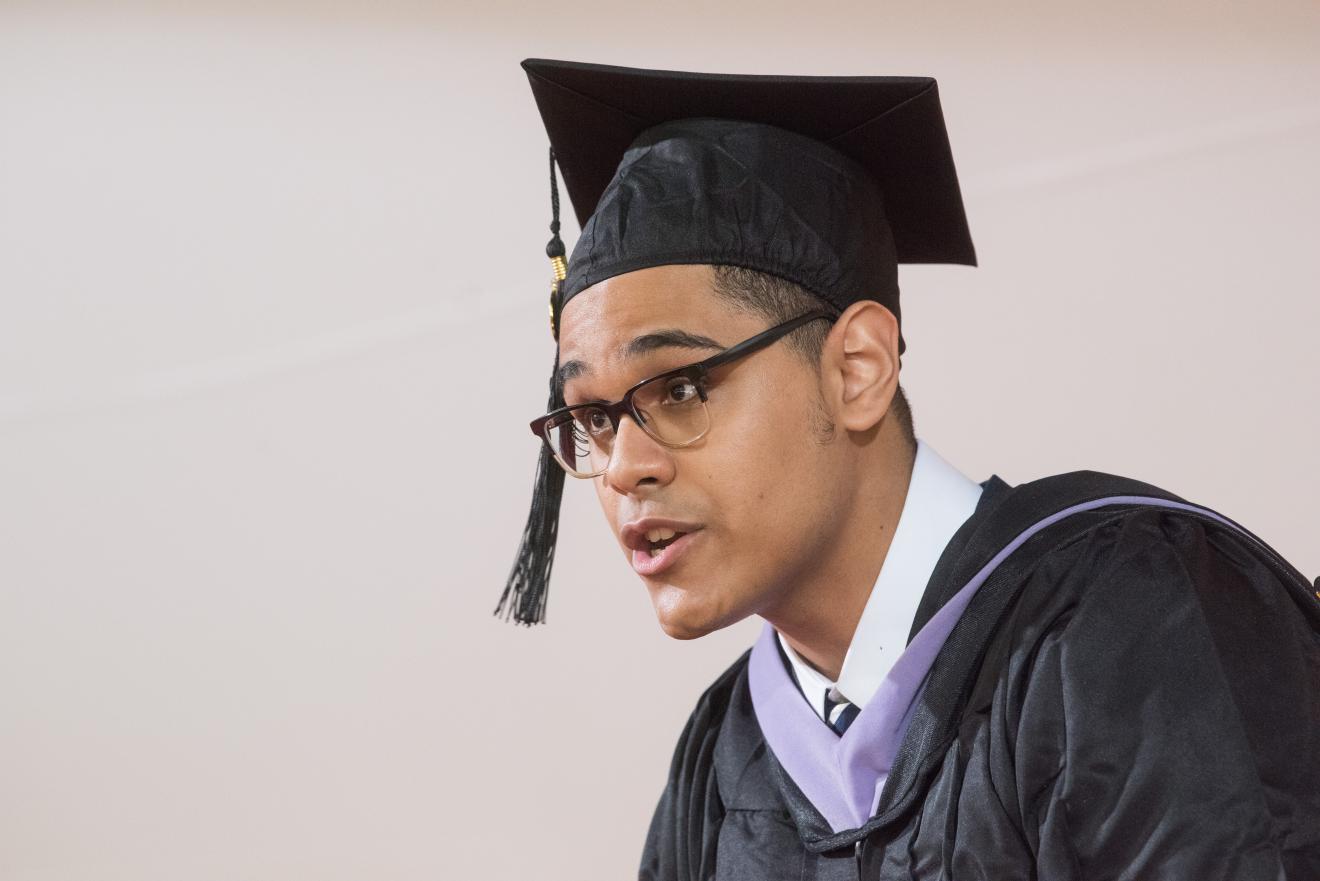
(272, 323)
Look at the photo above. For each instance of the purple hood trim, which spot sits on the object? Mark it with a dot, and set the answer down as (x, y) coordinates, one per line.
(844, 776)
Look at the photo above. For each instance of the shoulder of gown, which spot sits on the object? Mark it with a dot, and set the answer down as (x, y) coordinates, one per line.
(1161, 695)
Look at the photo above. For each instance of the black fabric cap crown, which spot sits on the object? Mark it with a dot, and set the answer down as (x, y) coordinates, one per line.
(708, 190)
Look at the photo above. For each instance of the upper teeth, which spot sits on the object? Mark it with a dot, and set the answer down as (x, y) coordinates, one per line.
(656, 535)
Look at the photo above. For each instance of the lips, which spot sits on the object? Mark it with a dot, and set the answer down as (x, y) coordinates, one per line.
(657, 543)
(648, 561)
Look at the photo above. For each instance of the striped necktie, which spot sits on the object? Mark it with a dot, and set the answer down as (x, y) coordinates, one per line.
(840, 714)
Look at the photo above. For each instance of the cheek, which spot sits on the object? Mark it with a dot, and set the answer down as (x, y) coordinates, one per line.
(767, 483)
(771, 444)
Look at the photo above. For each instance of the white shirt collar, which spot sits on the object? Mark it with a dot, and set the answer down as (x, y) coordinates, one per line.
(939, 499)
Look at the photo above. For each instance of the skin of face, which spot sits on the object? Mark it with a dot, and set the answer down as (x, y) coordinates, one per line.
(781, 505)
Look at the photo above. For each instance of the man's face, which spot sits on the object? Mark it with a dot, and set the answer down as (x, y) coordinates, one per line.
(758, 495)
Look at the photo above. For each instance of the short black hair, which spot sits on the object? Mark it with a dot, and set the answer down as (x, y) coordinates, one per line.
(777, 300)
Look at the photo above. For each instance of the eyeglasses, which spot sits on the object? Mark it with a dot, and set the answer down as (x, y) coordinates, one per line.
(670, 407)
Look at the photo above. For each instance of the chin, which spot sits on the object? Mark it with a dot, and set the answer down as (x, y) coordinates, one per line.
(683, 629)
(685, 615)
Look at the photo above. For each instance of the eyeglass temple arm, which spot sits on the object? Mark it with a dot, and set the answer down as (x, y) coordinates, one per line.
(762, 339)
(746, 347)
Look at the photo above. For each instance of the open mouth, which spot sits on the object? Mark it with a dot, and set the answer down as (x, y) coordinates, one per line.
(655, 545)
(659, 539)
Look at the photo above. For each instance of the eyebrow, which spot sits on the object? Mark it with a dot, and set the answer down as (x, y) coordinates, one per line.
(670, 337)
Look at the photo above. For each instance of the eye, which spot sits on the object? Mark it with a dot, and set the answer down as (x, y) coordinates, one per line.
(681, 390)
(593, 423)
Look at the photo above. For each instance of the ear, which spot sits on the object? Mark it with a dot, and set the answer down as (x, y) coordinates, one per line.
(860, 363)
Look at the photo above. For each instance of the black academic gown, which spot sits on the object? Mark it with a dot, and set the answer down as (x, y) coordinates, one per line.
(1135, 694)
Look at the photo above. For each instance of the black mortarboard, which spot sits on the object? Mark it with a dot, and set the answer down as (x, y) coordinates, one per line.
(827, 181)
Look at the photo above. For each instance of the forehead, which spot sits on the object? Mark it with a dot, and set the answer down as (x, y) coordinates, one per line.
(599, 322)
(628, 300)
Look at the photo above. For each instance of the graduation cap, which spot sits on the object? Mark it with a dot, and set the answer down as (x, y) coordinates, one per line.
(827, 181)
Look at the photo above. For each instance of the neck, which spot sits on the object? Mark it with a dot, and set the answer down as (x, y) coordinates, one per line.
(818, 614)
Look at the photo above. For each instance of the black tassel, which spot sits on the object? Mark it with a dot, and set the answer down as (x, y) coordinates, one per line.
(529, 581)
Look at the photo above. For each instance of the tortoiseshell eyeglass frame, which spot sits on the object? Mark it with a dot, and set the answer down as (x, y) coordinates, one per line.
(695, 372)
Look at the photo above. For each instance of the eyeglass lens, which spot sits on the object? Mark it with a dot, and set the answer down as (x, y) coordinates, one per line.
(671, 410)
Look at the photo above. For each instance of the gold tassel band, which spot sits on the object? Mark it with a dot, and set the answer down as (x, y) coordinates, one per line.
(560, 268)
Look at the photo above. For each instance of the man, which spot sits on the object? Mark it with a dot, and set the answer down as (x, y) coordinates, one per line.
(1082, 677)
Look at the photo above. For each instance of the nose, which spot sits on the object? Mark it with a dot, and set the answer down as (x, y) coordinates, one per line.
(637, 460)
